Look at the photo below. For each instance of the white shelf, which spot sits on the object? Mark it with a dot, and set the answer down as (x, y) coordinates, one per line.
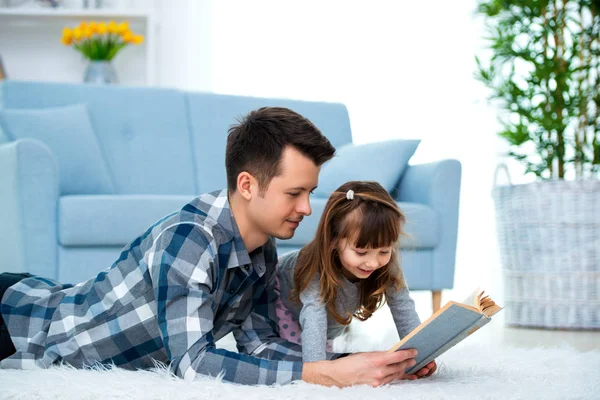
(18, 12)
(24, 36)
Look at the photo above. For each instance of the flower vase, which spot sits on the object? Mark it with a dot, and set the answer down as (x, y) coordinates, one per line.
(100, 72)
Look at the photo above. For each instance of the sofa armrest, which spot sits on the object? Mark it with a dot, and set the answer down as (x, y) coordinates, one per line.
(437, 184)
(28, 208)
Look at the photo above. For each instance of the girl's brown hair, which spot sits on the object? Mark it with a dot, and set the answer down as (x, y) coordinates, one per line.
(372, 219)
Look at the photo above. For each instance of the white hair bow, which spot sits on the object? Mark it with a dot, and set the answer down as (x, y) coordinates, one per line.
(350, 194)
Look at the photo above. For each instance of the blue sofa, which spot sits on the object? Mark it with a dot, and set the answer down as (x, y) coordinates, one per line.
(84, 169)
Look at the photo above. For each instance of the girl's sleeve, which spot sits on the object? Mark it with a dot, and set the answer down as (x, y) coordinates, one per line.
(313, 321)
(403, 310)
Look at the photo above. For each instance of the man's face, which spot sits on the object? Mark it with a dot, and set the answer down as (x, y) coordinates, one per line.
(282, 206)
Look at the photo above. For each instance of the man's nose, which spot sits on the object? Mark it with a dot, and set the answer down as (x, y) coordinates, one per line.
(303, 206)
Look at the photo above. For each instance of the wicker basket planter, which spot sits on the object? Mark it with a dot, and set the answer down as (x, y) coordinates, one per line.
(549, 237)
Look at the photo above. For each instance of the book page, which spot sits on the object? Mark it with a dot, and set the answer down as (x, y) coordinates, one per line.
(472, 298)
(484, 304)
(487, 306)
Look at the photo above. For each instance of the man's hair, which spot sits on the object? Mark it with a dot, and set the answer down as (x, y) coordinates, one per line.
(256, 144)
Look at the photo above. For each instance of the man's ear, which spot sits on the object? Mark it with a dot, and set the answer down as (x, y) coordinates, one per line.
(246, 185)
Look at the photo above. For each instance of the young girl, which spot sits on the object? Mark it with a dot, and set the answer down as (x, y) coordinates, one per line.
(347, 270)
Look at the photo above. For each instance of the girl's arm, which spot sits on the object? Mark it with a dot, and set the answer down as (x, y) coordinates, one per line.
(313, 321)
(406, 319)
(403, 310)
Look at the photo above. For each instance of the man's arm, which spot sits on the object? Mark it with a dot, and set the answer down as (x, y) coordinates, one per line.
(182, 267)
(374, 369)
(258, 335)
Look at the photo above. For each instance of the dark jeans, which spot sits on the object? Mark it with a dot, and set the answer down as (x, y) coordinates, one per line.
(7, 279)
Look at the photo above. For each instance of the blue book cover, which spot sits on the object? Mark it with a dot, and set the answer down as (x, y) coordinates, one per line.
(447, 327)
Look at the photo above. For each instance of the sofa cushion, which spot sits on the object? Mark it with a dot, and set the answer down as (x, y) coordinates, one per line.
(383, 162)
(67, 131)
(422, 226)
(111, 220)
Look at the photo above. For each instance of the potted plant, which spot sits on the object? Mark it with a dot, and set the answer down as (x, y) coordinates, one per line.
(100, 42)
(544, 73)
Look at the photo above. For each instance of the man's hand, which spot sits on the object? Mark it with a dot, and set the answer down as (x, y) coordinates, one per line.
(427, 370)
(375, 369)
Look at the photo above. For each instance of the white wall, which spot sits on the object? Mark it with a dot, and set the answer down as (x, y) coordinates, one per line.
(184, 44)
(404, 69)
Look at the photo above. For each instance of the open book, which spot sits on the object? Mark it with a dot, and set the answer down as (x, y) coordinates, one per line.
(447, 327)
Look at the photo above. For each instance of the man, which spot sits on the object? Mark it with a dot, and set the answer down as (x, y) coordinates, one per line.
(195, 276)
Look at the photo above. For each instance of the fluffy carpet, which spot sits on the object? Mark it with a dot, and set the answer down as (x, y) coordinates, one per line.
(465, 372)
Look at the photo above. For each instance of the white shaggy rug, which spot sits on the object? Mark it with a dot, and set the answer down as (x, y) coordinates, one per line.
(465, 372)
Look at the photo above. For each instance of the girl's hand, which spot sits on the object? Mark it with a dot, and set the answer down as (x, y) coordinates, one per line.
(427, 370)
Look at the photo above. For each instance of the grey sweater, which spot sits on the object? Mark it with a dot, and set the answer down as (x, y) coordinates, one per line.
(316, 323)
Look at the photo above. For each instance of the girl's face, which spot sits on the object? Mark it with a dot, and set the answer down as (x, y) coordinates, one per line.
(361, 263)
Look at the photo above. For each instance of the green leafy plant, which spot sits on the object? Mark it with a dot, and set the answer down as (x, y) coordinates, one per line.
(544, 72)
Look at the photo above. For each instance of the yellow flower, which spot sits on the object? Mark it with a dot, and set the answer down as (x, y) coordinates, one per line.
(123, 27)
(88, 32)
(77, 33)
(138, 39)
(93, 26)
(67, 36)
(67, 40)
(113, 27)
(128, 37)
(102, 28)
(83, 26)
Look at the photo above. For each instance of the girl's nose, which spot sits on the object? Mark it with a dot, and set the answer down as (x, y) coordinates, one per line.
(372, 263)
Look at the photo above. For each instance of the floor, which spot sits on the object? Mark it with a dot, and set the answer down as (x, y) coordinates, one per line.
(382, 325)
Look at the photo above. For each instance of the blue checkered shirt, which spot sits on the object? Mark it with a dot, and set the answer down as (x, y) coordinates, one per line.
(174, 291)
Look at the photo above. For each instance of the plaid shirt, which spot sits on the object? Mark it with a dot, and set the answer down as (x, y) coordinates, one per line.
(174, 291)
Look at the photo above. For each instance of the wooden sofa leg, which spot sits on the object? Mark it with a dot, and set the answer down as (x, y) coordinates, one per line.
(436, 297)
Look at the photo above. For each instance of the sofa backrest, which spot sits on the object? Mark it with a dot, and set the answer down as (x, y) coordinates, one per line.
(143, 133)
(165, 141)
(211, 115)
